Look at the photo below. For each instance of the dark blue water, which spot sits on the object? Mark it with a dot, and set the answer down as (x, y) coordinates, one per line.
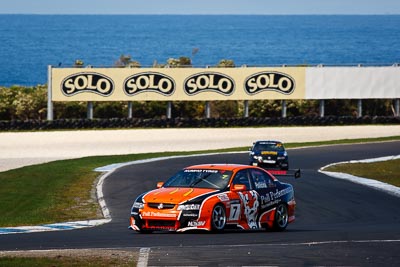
(29, 43)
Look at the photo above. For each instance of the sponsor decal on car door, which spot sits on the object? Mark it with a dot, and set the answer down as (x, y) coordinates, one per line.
(251, 207)
(247, 208)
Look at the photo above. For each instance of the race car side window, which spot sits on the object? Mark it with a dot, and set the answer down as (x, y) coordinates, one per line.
(261, 179)
(242, 177)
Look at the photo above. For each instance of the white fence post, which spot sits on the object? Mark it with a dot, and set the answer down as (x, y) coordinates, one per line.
(246, 108)
(90, 110)
(130, 110)
(169, 109)
(50, 113)
(208, 109)
(284, 109)
(359, 108)
(322, 108)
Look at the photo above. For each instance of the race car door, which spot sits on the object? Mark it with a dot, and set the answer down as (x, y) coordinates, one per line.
(265, 187)
(244, 211)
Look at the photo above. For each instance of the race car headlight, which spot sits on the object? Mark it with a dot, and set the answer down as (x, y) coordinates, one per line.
(189, 207)
(138, 205)
(257, 157)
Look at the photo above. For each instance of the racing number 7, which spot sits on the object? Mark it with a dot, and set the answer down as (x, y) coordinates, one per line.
(234, 214)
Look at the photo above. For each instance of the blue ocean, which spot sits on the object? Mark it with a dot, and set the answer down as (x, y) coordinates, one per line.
(29, 43)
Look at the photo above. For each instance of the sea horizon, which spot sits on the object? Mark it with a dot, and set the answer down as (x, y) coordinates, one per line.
(195, 14)
(32, 42)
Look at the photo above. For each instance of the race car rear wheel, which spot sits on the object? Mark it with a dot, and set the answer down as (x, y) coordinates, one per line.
(218, 218)
(281, 217)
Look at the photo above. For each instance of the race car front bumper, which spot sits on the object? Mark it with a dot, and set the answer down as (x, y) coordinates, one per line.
(184, 220)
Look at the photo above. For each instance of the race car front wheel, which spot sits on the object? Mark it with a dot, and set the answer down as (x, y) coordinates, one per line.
(218, 218)
(281, 217)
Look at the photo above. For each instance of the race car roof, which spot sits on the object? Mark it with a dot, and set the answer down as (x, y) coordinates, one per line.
(219, 166)
(268, 142)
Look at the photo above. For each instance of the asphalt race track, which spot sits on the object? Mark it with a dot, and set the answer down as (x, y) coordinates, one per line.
(338, 222)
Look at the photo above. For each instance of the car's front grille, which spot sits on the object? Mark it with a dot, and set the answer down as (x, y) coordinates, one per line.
(161, 223)
(269, 157)
(161, 206)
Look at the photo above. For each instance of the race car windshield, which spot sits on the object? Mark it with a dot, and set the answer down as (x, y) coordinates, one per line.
(269, 147)
(200, 178)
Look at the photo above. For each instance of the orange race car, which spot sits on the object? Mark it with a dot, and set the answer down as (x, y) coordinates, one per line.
(214, 197)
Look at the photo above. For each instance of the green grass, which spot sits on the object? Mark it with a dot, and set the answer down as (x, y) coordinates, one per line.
(64, 261)
(385, 171)
(61, 190)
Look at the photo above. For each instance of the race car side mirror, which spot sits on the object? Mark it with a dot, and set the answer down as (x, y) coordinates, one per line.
(239, 188)
(160, 184)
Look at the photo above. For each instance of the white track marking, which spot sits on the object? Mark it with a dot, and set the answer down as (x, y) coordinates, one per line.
(390, 189)
(143, 257)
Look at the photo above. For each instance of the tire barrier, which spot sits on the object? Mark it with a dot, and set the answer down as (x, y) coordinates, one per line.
(125, 123)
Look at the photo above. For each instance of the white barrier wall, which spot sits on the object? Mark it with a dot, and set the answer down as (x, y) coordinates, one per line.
(352, 82)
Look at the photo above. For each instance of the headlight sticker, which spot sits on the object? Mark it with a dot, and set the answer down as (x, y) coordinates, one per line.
(189, 207)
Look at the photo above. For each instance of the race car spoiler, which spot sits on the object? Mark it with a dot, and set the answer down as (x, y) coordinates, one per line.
(295, 173)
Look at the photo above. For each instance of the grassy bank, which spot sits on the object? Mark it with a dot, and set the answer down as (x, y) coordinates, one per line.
(64, 190)
(68, 257)
(385, 171)
(80, 261)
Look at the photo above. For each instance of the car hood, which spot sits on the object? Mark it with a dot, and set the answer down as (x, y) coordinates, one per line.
(175, 195)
